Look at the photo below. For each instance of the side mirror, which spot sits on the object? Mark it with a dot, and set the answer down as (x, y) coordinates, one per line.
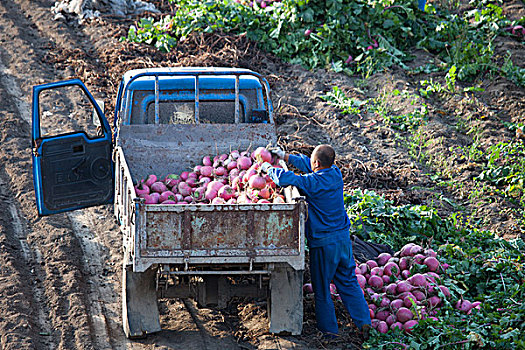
(96, 120)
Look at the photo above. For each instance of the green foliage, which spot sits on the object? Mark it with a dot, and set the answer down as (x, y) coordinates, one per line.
(407, 121)
(372, 217)
(376, 34)
(153, 33)
(513, 72)
(483, 268)
(430, 88)
(434, 88)
(403, 122)
(450, 78)
(347, 105)
(505, 168)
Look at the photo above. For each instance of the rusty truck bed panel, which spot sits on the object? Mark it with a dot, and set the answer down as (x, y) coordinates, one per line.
(215, 229)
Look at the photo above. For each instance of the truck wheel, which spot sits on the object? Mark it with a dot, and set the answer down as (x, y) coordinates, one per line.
(140, 314)
(285, 307)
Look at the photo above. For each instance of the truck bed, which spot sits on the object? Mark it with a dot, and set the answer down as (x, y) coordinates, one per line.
(200, 234)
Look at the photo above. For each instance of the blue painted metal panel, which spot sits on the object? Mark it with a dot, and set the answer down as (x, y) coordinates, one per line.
(188, 83)
(38, 178)
(184, 78)
(185, 96)
(96, 153)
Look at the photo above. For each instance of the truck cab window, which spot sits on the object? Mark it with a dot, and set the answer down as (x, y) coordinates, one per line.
(178, 107)
(211, 112)
(65, 110)
(171, 112)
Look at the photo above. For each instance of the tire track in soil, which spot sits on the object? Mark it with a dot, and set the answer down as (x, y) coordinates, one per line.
(102, 262)
(95, 297)
(17, 225)
(93, 259)
(99, 306)
(59, 294)
(100, 299)
(18, 300)
(93, 265)
(61, 288)
(31, 258)
(200, 326)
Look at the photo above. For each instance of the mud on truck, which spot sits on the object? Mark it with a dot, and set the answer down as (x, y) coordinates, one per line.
(165, 121)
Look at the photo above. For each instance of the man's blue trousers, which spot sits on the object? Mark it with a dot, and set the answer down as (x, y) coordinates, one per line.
(336, 262)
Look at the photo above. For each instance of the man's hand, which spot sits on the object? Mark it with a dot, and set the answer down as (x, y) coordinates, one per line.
(277, 151)
(265, 167)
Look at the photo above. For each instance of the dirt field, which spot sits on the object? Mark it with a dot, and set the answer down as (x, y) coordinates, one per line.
(60, 275)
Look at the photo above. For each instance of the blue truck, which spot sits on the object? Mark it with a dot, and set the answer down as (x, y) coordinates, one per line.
(165, 121)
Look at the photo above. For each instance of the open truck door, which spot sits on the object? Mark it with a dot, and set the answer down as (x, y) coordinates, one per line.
(72, 154)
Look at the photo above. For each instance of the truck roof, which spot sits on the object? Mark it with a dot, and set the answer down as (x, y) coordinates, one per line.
(183, 78)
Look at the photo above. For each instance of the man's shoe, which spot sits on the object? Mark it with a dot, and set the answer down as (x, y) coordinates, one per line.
(366, 331)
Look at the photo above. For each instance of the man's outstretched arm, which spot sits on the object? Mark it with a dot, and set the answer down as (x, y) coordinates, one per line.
(299, 161)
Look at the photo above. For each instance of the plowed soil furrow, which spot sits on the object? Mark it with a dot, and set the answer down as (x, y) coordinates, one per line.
(21, 255)
(18, 322)
(94, 229)
(61, 274)
(80, 253)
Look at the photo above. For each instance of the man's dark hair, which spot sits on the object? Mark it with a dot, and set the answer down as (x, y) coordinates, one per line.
(325, 154)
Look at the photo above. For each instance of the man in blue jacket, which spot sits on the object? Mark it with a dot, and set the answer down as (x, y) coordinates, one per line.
(327, 234)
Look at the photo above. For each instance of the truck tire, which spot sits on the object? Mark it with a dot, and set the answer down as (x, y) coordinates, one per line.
(285, 305)
(140, 313)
